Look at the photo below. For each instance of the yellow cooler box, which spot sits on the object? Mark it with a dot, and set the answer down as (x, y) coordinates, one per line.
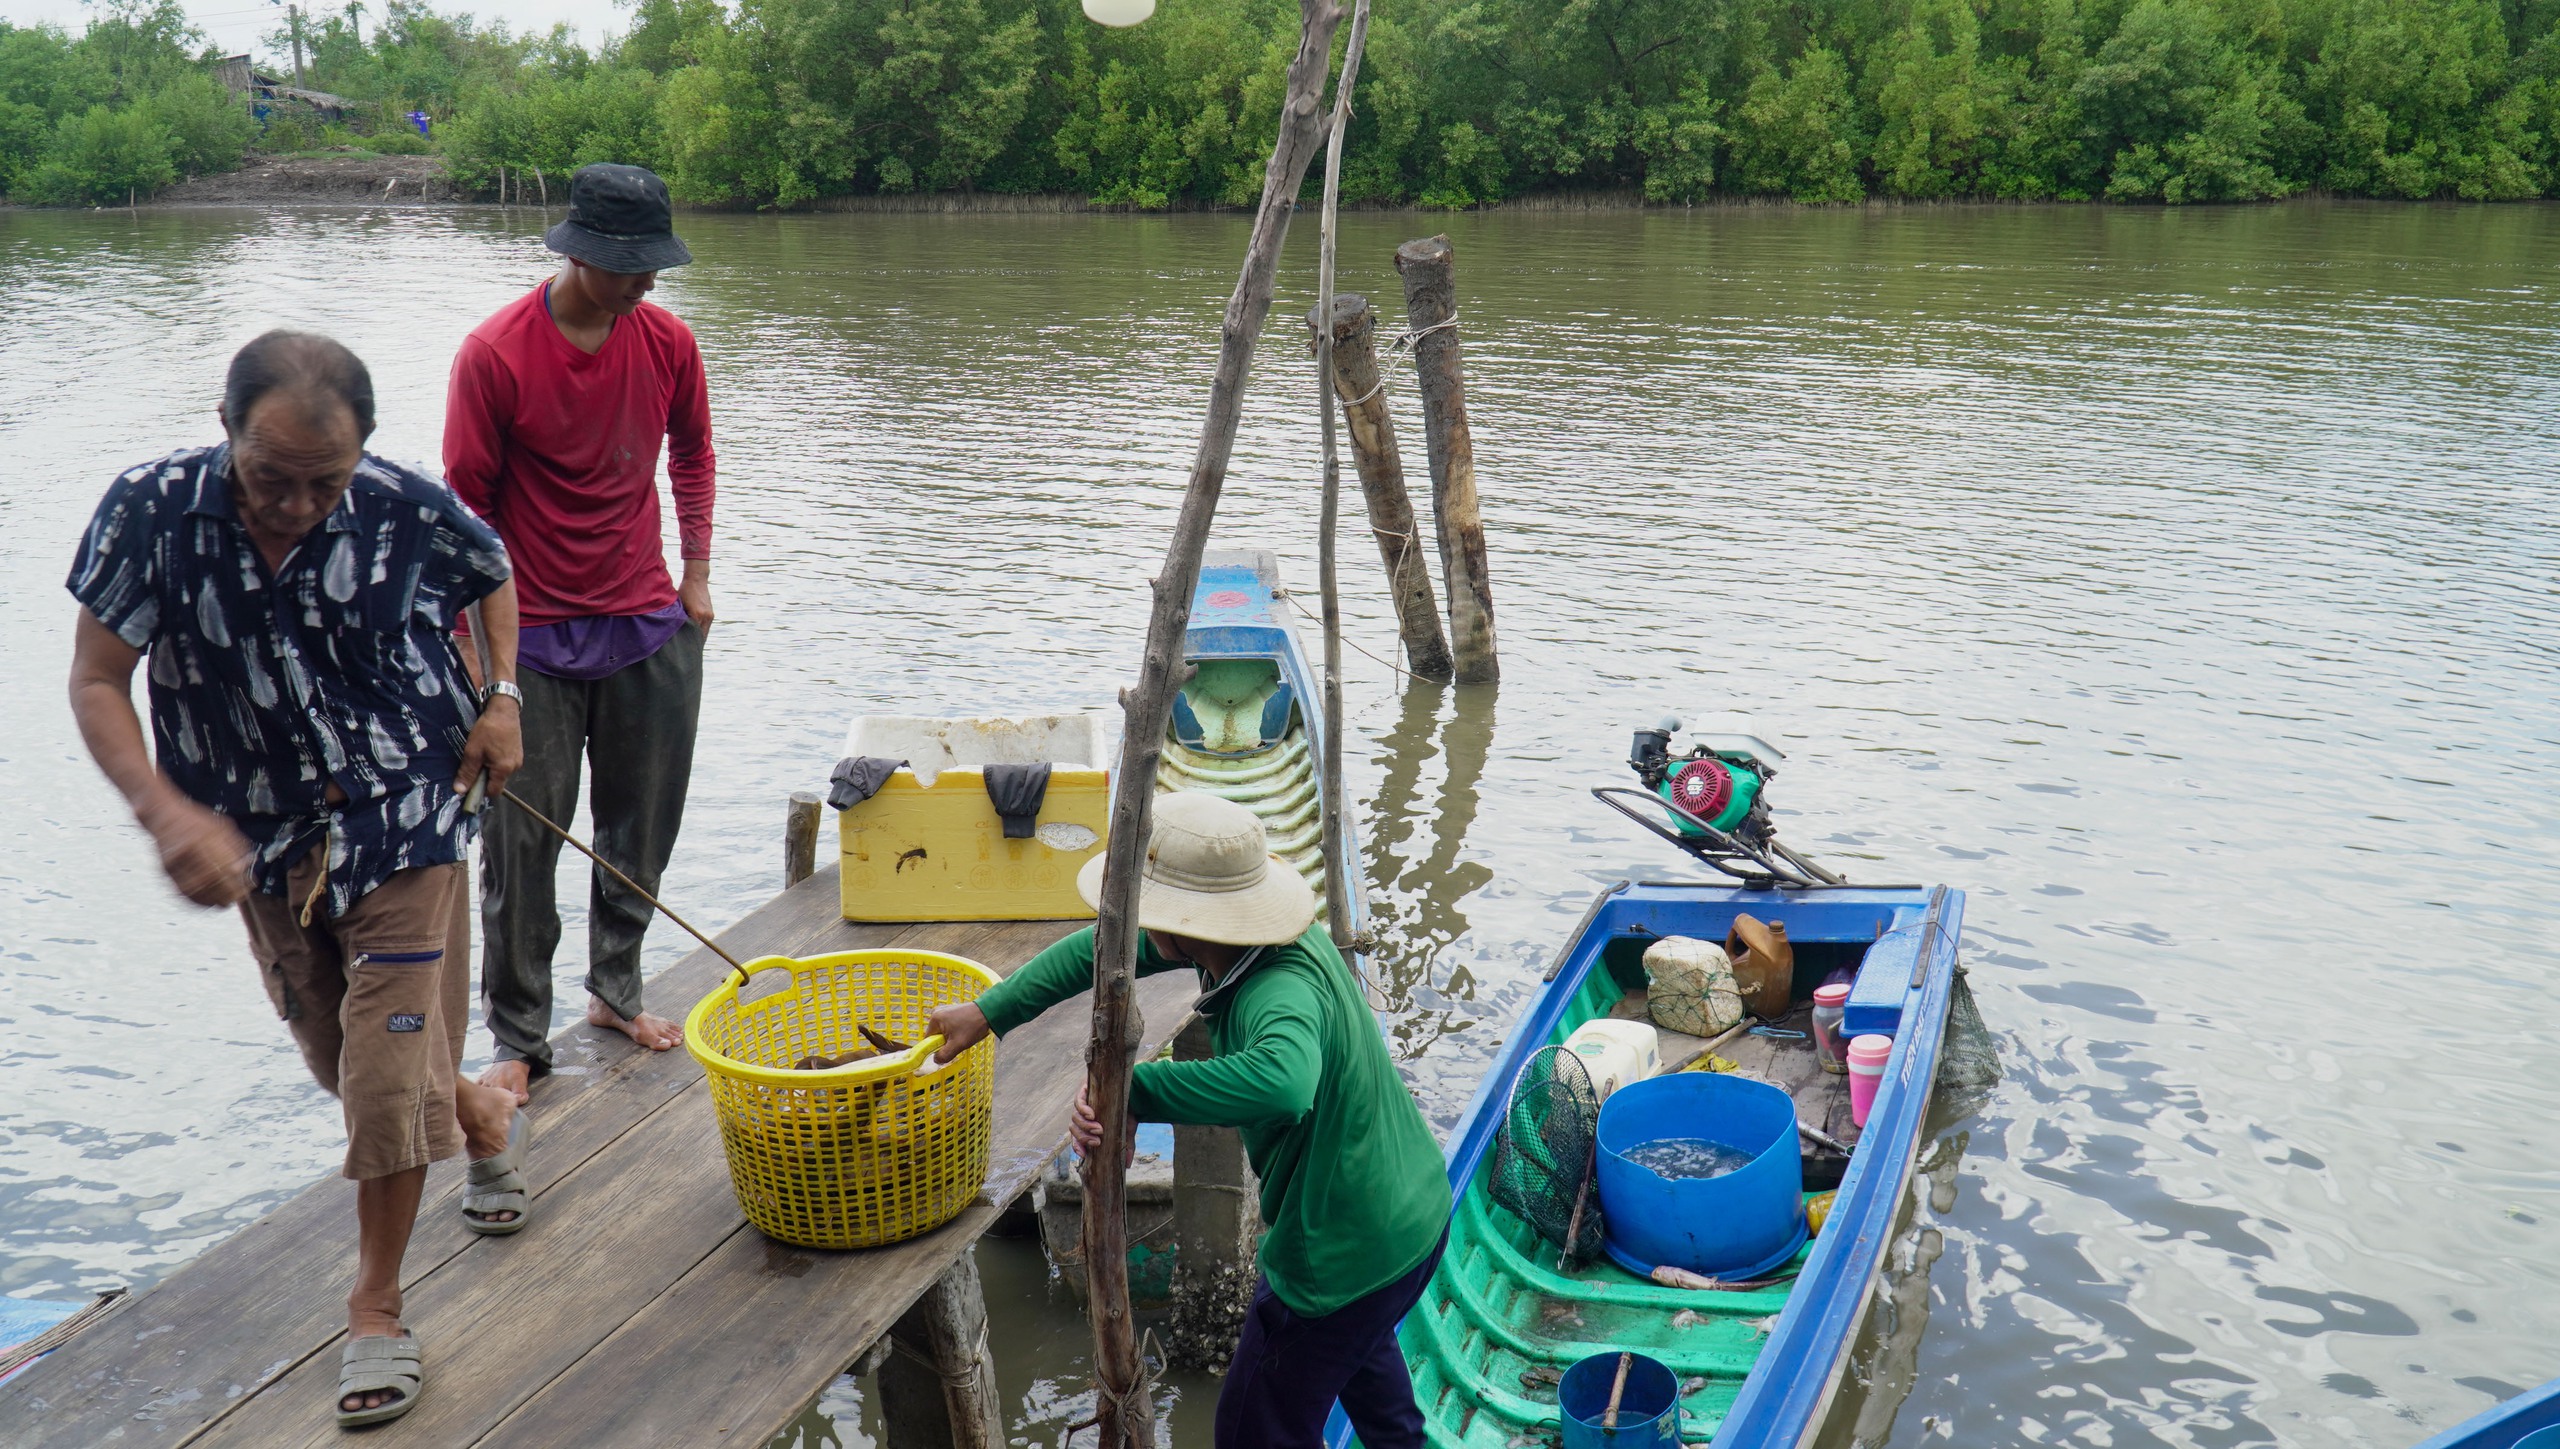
(930, 845)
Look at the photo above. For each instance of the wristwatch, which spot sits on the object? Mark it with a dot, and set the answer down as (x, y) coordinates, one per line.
(506, 687)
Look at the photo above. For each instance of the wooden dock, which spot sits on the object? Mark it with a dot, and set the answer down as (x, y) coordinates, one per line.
(637, 1309)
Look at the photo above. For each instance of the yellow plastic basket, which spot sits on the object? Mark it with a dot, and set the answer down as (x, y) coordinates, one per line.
(862, 1154)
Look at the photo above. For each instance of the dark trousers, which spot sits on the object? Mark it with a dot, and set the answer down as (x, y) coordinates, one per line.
(634, 729)
(1289, 1370)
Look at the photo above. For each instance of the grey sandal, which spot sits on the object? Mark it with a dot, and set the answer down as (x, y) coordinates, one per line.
(493, 1185)
(378, 1363)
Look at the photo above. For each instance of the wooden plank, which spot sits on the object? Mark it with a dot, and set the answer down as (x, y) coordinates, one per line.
(503, 1319)
(247, 1312)
(756, 1331)
(191, 1349)
(623, 1226)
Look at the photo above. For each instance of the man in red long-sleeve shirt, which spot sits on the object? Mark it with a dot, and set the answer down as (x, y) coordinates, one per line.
(553, 423)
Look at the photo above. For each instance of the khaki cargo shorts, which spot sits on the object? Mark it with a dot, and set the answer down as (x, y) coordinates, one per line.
(377, 1000)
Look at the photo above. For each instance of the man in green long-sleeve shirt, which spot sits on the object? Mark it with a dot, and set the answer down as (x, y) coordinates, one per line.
(1353, 1192)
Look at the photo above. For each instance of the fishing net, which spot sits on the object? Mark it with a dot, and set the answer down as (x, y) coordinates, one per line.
(1542, 1159)
(1971, 1057)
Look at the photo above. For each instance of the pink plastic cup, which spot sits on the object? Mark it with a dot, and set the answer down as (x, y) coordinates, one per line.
(1867, 1056)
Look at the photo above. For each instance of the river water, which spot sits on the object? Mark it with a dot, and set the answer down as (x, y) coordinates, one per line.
(2178, 583)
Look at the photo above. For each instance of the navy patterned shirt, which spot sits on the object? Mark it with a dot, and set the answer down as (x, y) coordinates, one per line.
(339, 666)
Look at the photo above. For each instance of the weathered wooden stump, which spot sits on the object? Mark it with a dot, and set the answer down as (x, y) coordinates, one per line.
(1431, 316)
(800, 838)
(1381, 464)
(938, 1381)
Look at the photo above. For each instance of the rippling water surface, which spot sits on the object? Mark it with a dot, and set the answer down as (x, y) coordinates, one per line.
(2181, 584)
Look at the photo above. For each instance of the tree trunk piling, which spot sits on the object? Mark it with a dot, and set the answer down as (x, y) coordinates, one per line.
(1381, 465)
(938, 1381)
(1126, 1411)
(1431, 314)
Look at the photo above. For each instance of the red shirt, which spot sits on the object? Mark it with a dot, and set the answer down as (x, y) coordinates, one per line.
(559, 451)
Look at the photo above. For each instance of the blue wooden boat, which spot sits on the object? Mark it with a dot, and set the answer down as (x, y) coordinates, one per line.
(1249, 725)
(2502, 1426)
(1759, 1364)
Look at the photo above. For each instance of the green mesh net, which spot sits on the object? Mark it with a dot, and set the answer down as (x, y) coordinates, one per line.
(1971, 1056)
(1542, 1159)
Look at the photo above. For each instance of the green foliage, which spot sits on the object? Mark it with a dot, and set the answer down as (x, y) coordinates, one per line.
(1798, 135)
(2407, 96)
(2183, 113)
(115, 115)
(1462, 102)
(206, 127)
(103, 156)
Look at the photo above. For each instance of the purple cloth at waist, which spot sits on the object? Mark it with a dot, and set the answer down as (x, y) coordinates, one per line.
(594, 648)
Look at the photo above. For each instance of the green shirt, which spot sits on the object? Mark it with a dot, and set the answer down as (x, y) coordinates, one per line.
(1353, 1191)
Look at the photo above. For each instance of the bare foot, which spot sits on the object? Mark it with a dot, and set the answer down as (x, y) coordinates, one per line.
(654, 1032)
(513, 1077)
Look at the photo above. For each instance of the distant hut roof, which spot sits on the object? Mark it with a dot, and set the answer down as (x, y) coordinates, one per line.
(317, 98)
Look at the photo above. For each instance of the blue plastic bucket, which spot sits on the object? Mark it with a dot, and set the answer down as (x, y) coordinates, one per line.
(1648, 1411)
(1735, 1227)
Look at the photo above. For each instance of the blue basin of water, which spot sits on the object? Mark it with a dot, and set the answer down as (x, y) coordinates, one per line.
(1735, 1227)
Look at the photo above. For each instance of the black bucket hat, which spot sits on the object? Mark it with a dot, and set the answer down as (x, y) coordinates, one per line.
(620, 220)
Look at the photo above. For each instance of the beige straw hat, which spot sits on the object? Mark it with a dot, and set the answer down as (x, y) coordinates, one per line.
(1210, 875)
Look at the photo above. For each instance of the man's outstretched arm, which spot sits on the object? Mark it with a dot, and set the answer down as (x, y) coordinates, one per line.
(206, 856)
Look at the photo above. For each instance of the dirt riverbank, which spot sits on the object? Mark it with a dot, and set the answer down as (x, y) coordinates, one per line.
(322, 180)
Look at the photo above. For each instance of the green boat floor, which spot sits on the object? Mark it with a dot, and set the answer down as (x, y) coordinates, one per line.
(1499, 1323)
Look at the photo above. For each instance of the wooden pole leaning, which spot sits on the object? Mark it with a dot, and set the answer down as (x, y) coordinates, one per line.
(1391, 520)
(1339, 880)
(1126, 1412)
(1431, 320)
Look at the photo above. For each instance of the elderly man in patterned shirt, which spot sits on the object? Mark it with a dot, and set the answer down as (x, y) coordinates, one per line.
(315, 735)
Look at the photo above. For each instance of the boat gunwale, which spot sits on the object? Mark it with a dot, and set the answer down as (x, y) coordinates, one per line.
(2501, 1424)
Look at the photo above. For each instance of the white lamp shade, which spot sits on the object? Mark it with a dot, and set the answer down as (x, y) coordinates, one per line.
(1118, 13)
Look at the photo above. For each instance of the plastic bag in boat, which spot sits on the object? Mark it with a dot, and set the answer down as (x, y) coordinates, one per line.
(1691, 987)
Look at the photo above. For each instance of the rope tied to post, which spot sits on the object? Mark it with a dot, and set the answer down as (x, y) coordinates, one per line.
(1412, 335)
(1403, 341)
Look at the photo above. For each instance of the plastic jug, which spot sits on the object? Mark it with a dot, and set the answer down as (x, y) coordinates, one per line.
(1615, 1053)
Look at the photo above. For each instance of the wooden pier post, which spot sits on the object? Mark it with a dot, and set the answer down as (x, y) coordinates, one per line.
(938, 1383)
(1431, 319)
(1214, 1224)
(800, 838)
(1381, 464)
(1126, 1411)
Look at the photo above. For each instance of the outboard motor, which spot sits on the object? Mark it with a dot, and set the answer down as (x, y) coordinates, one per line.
(1715, 791)
(1717, 780)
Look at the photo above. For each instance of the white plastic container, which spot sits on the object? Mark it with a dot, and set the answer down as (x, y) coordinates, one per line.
(1616, 1053)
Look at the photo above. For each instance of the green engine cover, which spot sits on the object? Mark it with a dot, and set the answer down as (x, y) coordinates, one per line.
(1720, 790)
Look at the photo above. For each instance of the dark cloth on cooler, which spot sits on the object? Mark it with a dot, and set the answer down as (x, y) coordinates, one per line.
(858, 778)
(1017, 792)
